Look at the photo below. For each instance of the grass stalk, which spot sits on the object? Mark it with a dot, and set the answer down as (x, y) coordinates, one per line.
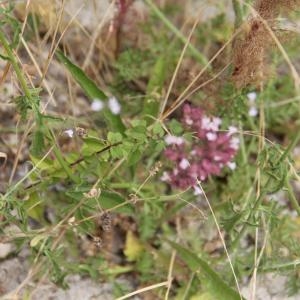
(238, 11)
(194, 52)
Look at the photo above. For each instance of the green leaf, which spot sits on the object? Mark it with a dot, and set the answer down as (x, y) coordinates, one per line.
(114, 137)
(118, 152)
(92, 91)
(158, 129)
(111, 200)
(38, 143)
(138, 133)
(57, 272)
(175, 127)
(134, 157)
(214, 283)
(92, 145)
(139, 123)
(155, 86)
(89, 87)
(229, 222)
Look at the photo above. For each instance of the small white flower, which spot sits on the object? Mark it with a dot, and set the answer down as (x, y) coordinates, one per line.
(234, 143)
(170, 139)
(217, 158)
(69, 133)
(165, 177)
(253, 112)
(216, 122)
(114, 105)
(231, 165)
(184, 164)
(211, 136)
(179, 140)
(189, 121)
(197, 190)
(205, 123)
(97, 105)
(211, 124)
(252, 97)
(174, 140)
(175, 171)
(232, 130)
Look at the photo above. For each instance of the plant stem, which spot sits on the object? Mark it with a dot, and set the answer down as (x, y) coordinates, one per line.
(15, 65)
(292, 197)
(198, 55)
(292, 265)
(238, 11)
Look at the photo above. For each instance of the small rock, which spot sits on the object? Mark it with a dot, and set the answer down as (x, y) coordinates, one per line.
(6, 249)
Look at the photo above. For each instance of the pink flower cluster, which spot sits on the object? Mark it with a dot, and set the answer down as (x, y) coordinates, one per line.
(207, 154)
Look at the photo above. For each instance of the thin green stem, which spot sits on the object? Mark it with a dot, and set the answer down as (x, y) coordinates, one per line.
(15, 65)
(290, 147)
(60, 158)
(238, 11)
(284, 266)
(197, 55)
(292, 197)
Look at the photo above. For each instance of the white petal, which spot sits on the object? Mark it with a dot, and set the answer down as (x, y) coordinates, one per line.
(165, 177)
(179, 140)
(234, 143)
(189, 121)
(114, 105)
(232, 130)
(231, 165)
(97, 105)
(252, 97)
(253, 112)
(216, 122)
(184, 164)
(69, 133)
(174, 140)
(205, 123)
(197, 190)
(170, 139)
(211, 136)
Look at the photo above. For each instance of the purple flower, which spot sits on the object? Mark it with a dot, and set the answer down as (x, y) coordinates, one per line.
(206, 155)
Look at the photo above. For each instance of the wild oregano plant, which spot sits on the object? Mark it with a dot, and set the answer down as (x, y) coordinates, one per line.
(119, 190)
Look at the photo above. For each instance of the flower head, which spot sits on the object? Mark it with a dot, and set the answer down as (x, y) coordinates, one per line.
(206, 155)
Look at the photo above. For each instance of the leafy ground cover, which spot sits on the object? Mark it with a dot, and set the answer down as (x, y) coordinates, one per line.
(157, 146)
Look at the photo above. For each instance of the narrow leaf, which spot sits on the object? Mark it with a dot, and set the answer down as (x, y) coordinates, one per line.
(92, 91)
(214, 283)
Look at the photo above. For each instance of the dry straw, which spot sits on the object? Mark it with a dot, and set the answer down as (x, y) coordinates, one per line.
(253, 44)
